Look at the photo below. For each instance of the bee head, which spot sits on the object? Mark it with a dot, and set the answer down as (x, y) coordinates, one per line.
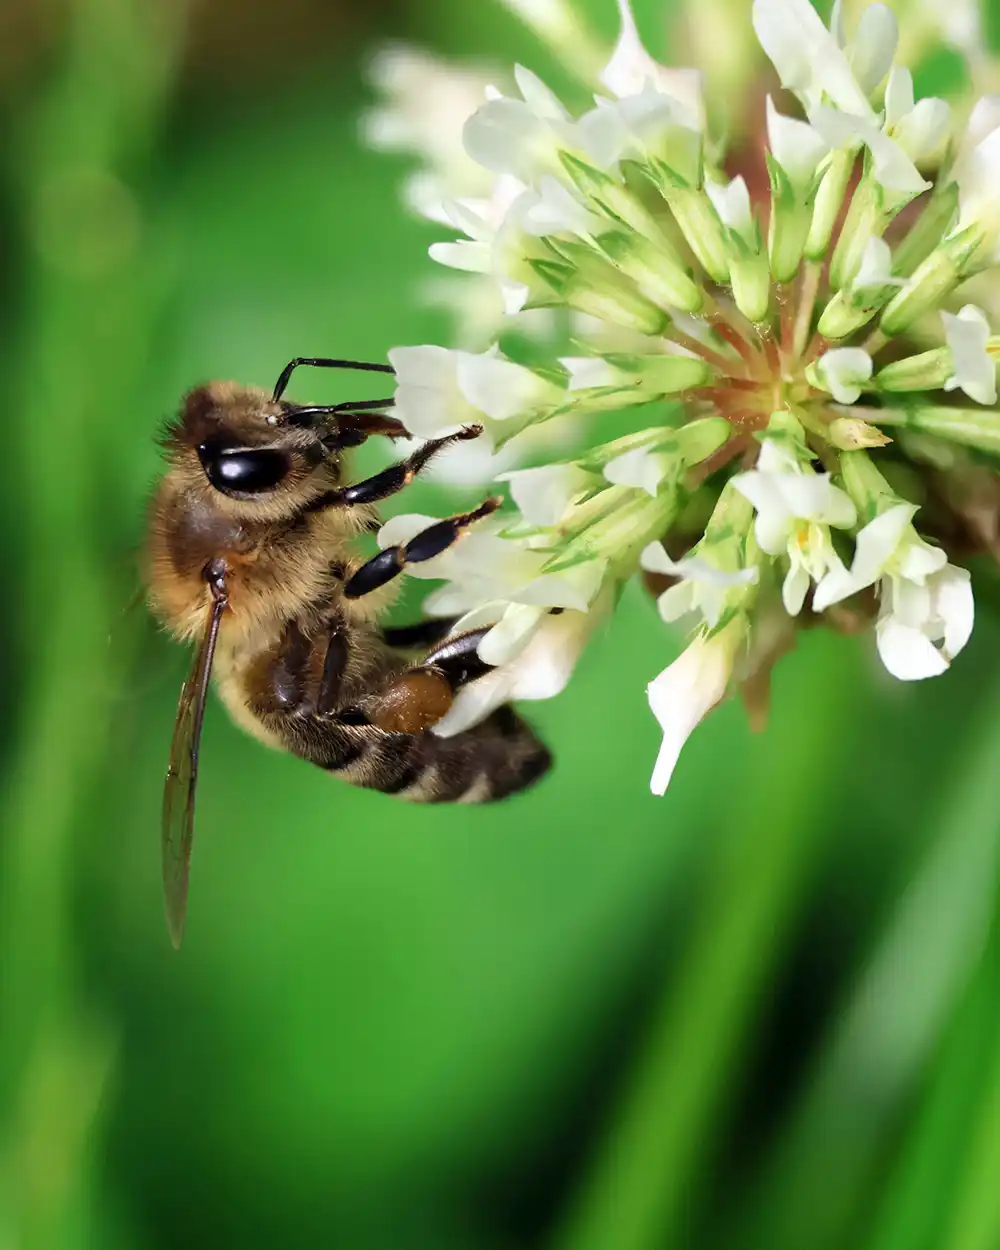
(252, 449)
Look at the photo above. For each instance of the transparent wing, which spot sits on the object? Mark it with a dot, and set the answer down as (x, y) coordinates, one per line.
(182, 778)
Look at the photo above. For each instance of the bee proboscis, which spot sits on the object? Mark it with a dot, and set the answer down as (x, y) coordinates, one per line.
(251, 555)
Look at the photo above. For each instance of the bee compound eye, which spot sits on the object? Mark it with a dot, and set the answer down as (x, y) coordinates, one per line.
(245, 471)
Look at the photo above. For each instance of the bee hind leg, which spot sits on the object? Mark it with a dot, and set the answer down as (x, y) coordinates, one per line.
(423, 633)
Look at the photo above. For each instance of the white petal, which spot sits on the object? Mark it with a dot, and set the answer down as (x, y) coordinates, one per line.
(837, 585)
(398, 530)
(541, 671)
(890, 164)
(464, 255)
(477, 617)
(876, 265)
(795, 145)
(544, 494)
(554, 210)
(603, 135)
(983, 120)
(500, 388)
(773, 519)
(631, 66)
(806, 55)
(878, 541)
(685, 693)
(641, 468)
(655, 559)
(589, 371)
(899, 98)
(967, 334)
(474, 702)
(451, 600)
(506, 137)
(953, 602)
(775, 457)
(813, 497)
(772, 529)
(917, 560)
(873, 46)
(423, 366)
(924, 130)
(515, 296)
(676, 602)
(978, 177)
(428, 400)
(542, 102)
(907, 653)
(544, 667)
(793, 590)
(732, 203)
(843, 371)
(571, 588)
(907, 602)
(695, 568)
(511, 633)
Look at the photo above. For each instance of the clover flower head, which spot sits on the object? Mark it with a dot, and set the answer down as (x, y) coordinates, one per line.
(782, 368)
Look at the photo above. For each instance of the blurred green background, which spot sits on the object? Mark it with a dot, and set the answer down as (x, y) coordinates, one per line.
(762, 1012)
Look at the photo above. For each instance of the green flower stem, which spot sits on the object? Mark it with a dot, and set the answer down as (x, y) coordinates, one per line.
(674, 1100)
(97, 120)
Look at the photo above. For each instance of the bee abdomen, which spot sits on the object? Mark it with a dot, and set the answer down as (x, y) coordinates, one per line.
(497, 758)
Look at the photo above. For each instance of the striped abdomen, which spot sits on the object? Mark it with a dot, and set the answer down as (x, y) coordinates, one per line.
(312, 695)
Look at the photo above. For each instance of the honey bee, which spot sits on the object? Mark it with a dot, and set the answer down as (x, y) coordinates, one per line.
(251, 554)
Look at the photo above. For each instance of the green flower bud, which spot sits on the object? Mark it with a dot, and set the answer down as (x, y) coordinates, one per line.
(971, 427)
(933, 279)
(927, 371)
(607, 301)
(853, 434)
(829, 202)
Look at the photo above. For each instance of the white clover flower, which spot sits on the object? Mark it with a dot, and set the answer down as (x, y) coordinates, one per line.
(922, 626)
(439, 391)
(926, 610)
(741, 390)
(875, 270)
(808, 58)
(685, 692)
(544, 494)
(425, 101)
(702, 587)
(844, 372)
(795, 509)
(540, 670)
(967, 333)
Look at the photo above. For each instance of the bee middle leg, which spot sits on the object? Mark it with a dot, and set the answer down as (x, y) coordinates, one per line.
(431, 542)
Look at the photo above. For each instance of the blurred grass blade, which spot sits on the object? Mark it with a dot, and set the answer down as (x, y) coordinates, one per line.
(976, 1224)
(823, 1165)
(88, 318)
(934, 1157)
(665, 1128)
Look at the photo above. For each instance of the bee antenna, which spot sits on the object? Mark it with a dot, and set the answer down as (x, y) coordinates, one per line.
(323, 362)
(302, 414)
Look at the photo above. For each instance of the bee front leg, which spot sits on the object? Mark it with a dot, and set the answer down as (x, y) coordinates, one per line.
(392, 480)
